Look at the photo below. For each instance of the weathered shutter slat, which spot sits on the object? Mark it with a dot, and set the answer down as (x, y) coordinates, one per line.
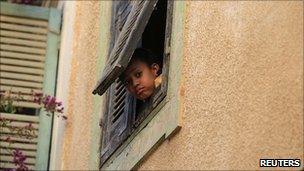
(9, 158)
(29, 36)
(126, 43)
(31, 57)
(21, 28)
(21, 83)
(34, 119)
(15, 48)
(26, 153)
(15, 41)
(19, 89)
(18, 69)
(11, 165)
(25, 21)
(21, 76)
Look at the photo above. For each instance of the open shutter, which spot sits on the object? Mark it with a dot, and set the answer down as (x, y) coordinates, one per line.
(28, 59)
(126, 43)
(118, 116)
(130, 19)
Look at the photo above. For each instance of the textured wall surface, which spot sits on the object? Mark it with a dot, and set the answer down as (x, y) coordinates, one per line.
(243, 70)
(78, 133)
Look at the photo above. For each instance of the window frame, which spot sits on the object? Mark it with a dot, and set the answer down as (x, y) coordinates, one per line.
(112, 136)
(146, 137)
(130, 121)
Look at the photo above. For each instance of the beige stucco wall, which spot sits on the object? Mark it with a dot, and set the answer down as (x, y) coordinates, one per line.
(78, 132)
(243, 80)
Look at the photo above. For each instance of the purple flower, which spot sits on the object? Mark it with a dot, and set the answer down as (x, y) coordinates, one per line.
(18, 160)
(50, 103)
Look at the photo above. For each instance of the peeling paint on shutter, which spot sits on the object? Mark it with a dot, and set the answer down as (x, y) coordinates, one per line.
(118, 116)
(126, 43)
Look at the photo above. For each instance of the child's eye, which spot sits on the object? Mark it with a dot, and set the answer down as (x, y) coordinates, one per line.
(138, 74)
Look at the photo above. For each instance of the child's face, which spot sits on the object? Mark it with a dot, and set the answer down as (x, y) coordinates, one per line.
(139, 79)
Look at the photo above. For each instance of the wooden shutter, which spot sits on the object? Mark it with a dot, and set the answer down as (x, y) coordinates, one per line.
(130, 19)
(28, 61)
(27, 146)
(126, 43)
(118, 116)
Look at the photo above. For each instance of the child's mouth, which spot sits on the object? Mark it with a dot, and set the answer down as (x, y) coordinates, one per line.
(140, 91)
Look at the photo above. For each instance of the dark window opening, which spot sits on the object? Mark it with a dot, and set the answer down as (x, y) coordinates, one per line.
(154, 34)
(153, 39)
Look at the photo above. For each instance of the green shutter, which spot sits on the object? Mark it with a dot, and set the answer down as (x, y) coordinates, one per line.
(28, 53)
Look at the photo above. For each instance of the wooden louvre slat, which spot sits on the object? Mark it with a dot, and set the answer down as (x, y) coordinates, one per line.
(11, 165)
(23, 124)
(4, 137)
(118, 105)
(29, 36)
(25, 21)
(21, 76)
(8, 40)
(19, 145)
(6, 130)
(21, 69)
(20, 89)
(9, 159)
(22, 28)
(26, 153)
(27, 104)
(20, 117)
(22, 56)
(23, 49)
(24, 97)
(21, 83)
(126, 43)
(17, 62)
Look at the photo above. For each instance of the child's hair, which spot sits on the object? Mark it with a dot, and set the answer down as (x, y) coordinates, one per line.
(145, 56)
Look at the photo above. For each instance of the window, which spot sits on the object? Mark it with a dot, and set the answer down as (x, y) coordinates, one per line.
(134, 24)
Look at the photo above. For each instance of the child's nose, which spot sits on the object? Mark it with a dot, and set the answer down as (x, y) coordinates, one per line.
(135, 83)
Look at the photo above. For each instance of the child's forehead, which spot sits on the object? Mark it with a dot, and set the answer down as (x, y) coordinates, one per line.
(136, 64)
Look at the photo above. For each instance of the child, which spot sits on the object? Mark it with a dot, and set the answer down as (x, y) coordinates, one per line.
(143, 74)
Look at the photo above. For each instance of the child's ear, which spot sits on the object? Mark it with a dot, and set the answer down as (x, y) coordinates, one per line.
(155, 68)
